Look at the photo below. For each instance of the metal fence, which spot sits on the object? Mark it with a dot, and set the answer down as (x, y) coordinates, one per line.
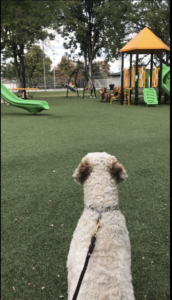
(57, 82)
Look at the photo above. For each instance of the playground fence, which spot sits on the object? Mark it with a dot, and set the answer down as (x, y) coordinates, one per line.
(57, 82)
(104, 82)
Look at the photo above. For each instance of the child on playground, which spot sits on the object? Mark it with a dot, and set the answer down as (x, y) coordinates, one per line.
(92, 88)
(70, 83)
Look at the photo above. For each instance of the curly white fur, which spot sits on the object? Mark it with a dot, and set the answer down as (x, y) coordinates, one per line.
(108, 276)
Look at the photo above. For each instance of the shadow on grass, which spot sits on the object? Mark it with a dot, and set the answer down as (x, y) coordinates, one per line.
(25, 114)
(33, 115)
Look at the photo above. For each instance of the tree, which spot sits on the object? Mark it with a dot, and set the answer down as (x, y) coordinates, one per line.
(154, 14)
(95, 69)
(86, 24)
(8, 70)
(65, 67)
(96, 72)
(104, 67)
(34, 62)
(22, 24)
(116, 23)
(79, 65)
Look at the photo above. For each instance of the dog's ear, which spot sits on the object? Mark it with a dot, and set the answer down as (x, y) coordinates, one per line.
(82, 171)
(117, 171)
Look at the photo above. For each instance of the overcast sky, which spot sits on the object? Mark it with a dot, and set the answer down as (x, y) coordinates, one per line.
(55, 50)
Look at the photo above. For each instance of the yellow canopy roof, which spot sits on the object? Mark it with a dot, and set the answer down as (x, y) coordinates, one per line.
(146, 42)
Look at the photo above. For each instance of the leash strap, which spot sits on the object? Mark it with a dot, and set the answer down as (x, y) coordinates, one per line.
(107, 209)
(90, 251)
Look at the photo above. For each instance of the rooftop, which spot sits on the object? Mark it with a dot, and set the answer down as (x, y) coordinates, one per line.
(146, 42)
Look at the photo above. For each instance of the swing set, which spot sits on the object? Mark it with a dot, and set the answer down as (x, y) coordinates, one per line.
(74, 75)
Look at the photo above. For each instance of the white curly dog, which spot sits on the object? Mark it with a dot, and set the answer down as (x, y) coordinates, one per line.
(108, 276)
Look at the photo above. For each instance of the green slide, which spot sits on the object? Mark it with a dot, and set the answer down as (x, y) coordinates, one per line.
(32, 106)
(165, 84)
(150, 96)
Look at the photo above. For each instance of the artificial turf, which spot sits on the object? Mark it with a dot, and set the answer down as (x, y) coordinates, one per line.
(41, 203)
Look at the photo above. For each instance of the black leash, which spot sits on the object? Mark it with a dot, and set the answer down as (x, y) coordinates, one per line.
(90, 251)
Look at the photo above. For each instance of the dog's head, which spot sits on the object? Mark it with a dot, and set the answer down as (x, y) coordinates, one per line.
(103, 90)
(100, 162)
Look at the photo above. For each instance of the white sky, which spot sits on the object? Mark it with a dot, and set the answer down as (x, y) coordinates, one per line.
(55, 50)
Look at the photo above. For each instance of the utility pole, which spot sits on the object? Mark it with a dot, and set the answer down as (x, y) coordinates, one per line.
(54, 75)
(44, 67)
(23, 74)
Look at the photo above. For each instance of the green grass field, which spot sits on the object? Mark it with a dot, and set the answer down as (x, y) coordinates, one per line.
(38, 156)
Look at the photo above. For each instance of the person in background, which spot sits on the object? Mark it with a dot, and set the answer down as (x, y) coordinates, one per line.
(26, 96)
(91, 87)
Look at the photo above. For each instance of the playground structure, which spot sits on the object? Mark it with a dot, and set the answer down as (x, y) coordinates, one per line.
(134, 78)
(73, 76)
(32, 106)
(144, 80)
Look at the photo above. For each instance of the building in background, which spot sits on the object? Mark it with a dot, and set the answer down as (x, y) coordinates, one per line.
(116, 78)
(9, 83)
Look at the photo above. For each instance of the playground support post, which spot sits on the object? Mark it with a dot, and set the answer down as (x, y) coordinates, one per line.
(130, 74)
(67, 90)
(167, 57)
(95, 92)
(165, 98)
(136, 83)
(84, 88)
(151, 67)
(160, 77)
(76, 83)
(122, 66)
(130, 67)
(54, 78)
(23, 73)
(44, 66)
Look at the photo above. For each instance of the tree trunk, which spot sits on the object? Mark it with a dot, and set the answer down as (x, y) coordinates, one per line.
(90, 53)
(90, 65)
(18, 69)
(90, 43)
(85, 60)
(21, 72)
